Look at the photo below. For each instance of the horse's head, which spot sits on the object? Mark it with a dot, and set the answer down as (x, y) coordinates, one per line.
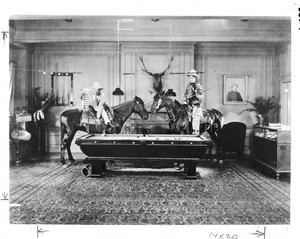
(139, 108)
(159, 101)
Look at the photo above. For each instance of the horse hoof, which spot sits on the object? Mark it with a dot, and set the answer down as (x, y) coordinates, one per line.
(73, 163)
(64, 165)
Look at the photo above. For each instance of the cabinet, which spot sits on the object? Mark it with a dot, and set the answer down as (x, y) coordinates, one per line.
(272, 148)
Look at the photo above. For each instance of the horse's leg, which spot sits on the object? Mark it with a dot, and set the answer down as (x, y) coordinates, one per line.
(209, 148)
(218, 146)
(66, 139)
(68, 146)
(216, 138)
(62, 143)
(71, 129)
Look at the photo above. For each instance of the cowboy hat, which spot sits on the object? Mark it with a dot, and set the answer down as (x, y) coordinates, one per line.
(193, 73)
(96, 86)
(170, 92)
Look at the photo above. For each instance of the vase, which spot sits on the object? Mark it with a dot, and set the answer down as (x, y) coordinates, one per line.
(265, 120)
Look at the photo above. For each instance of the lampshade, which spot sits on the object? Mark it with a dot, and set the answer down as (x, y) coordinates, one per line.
(118, 91)
(170, 92)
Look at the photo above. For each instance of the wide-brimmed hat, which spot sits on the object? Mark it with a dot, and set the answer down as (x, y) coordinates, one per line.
(96, 86)
(193, 73)
(170, 92)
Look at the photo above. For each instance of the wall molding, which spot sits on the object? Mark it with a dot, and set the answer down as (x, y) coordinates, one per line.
(76, 46)
(286, 78)
(207, 35)
(235, 48)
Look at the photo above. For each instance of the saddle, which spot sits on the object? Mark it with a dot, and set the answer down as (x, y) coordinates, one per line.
(109, 111)
(89, 117)
(189, 109)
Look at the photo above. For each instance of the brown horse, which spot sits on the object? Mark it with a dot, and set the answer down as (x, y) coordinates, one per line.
(179, 119)
(71, 122)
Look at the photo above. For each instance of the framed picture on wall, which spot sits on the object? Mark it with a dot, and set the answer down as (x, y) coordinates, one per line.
(235, 89)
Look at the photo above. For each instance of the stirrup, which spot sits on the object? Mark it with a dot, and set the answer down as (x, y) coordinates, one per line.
(110, 127)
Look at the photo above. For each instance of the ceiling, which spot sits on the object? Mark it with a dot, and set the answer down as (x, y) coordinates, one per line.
(42, 29)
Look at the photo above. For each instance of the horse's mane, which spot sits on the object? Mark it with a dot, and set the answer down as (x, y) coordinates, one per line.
(127, 102)
(177, 103)
(174, 102)
(121, 105)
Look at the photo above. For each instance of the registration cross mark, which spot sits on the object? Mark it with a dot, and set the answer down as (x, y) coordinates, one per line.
(4, 196)
(39, 230)
(259, 233)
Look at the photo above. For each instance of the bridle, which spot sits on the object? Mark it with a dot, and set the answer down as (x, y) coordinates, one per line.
(139, 105)
(131, 108)
(171, 117)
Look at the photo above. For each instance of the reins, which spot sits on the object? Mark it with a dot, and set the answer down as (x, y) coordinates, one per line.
(130, 108)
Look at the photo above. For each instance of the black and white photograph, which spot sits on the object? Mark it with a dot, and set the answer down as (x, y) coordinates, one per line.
(134, 120)
(235, 89)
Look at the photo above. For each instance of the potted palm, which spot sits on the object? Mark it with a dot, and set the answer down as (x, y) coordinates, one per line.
(263, 106)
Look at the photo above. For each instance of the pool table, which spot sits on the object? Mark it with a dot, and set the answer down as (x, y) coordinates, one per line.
(187, 149)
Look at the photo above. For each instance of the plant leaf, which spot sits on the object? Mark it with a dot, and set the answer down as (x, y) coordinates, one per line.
(263, 105)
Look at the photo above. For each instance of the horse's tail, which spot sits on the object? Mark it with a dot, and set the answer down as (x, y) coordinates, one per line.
(219, 117)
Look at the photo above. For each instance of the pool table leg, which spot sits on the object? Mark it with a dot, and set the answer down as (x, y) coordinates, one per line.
(190, 170)
(95, 169)
(99, 168)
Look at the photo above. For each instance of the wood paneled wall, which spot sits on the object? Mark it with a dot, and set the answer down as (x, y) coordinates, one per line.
(98, 61)
(22, 57)
(156, 58)
(253, 60)
(284, 81)
(90, 61)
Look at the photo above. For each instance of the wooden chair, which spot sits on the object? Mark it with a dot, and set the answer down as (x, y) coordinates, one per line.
(233, 141)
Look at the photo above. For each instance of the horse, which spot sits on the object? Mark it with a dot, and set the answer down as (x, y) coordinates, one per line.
(179, 118)
(178, 115)
(71, 122)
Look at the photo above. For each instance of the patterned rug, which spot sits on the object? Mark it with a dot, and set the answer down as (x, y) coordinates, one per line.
(130, 194)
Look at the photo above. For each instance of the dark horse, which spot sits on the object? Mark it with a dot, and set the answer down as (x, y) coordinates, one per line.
(70, 122)
(179, 118)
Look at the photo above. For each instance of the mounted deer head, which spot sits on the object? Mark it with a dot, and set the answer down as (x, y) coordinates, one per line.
(157, 82)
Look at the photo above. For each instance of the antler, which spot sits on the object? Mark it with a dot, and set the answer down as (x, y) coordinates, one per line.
(157, 83)
(168, 67)
(145, 69)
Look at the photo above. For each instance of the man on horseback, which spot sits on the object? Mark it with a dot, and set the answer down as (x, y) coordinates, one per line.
(94, 101)
(193, 97)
